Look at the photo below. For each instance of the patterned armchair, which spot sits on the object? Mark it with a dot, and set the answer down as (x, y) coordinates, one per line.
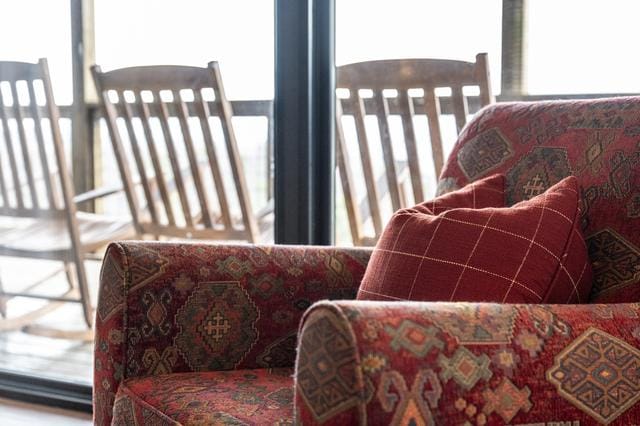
(208, 334)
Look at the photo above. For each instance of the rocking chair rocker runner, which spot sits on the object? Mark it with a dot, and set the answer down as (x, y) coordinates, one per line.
(38, 215)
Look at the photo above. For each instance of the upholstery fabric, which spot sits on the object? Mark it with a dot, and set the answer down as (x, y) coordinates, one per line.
(537, 144)
(238, 397)
(422, 363)
(532, 252)
(193, 307)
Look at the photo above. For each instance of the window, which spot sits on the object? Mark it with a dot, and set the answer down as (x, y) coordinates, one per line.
(582, 46)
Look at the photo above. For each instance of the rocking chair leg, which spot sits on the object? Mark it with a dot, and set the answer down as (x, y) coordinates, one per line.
(84, 292)
(68, 266)
(3, 302)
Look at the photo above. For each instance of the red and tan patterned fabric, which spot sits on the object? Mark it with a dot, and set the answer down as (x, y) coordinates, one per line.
(537, 144)
(421, 363)
(187, 307)
(236, 397)
(439, 250)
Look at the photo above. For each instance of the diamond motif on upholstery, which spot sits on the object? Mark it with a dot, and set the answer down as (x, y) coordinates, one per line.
(326, 378)
(484, 153)
(235, 267)
(598, 373)
(465, 368)
(506, 400)
(475, 325)
(411, 407)
(265, 286)
(615, 261)
(597, 143)
(280, 353)
(146, 265)
(111, 287)
(536, 172)
(414, 337)
(156, 313)
(216, 326)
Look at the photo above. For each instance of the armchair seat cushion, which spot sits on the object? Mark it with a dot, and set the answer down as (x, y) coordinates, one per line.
(237, 397)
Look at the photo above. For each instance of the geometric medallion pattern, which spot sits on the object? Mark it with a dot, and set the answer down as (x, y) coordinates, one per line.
(536, 172)
(465, 368)
(599, 374)
(507, 400)
(414, 338)
(216, 326)
(325, 376)
(471, 325)
(484, 153)
(615, 260)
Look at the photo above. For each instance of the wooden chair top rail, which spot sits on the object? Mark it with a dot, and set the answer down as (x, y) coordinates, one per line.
(409, 73)
(157, 77)
(17, 71)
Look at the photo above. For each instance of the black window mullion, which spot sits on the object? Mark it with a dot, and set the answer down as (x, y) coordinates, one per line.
(303, 121)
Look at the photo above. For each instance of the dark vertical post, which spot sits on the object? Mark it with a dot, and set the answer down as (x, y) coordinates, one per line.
(82, 57)
(292, 155)
(514, 35)
(323, 122)
(304, 121)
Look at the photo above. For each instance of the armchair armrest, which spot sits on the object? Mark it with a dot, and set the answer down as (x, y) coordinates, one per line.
(182, 307)
(463, 363)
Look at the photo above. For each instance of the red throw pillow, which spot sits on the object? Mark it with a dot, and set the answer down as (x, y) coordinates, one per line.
(466, 246)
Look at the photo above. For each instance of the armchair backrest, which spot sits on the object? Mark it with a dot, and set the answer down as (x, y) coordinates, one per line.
(536, 144)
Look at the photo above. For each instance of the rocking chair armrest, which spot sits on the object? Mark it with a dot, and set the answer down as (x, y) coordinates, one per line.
(97, 193)
(480, 363)
(185, 306)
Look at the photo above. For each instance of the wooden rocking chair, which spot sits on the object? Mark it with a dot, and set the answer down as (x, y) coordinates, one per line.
(38, 215)
(401, 75)
(161, 124)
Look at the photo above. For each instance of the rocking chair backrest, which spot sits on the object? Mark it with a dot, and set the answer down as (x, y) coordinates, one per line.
(34, 180)
(181, 172)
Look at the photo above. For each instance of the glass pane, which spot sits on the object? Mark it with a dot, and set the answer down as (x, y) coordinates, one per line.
(33, 29)
(48, 335)
(191, 32)
(456, 29)
(404, 29)
(582, 46)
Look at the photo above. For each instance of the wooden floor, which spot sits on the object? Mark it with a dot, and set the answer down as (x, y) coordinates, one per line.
(14, 413)
(60, 359)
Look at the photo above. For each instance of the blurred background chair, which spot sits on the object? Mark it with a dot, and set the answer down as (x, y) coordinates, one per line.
(404, 88)
(166, 124)
(38, 214)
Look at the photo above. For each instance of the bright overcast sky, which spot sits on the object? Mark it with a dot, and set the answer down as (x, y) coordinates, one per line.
(574, 45)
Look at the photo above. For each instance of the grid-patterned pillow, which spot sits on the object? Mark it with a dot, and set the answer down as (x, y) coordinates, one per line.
(466, 246)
